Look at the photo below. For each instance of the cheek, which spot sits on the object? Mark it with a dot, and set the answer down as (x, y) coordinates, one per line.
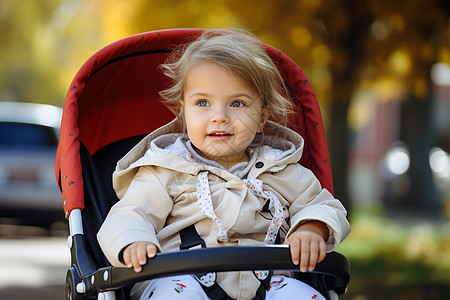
(188, 119)
(246, 134)
(194, 129)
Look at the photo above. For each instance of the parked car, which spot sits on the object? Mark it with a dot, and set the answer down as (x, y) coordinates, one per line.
(29, 135)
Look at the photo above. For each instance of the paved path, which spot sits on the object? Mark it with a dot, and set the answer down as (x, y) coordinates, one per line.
(33, 264)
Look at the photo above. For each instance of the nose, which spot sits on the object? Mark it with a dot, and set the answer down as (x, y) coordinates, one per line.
(220, 115)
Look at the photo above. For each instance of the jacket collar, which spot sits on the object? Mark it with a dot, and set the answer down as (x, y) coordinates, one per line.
(270, 160)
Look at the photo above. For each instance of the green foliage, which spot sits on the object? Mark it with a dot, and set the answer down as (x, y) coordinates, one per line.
(27, 69)
(391, 256)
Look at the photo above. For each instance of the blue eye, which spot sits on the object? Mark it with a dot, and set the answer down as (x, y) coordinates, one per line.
(237, 104)
(202, 103)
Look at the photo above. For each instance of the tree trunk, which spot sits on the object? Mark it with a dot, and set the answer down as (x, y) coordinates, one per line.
(418, 133)
(338, 137)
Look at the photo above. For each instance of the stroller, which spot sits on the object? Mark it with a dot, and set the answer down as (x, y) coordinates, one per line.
(111, 105)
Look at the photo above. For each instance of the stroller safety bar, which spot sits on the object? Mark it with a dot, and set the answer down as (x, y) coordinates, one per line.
(84, 278)
(221, 259)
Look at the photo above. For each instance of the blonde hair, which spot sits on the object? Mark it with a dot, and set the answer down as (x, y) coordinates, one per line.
(238, 53)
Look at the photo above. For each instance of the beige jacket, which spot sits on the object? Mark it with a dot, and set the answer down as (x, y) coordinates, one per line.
(157, 192)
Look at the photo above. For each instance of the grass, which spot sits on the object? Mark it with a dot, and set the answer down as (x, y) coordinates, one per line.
(397, 259)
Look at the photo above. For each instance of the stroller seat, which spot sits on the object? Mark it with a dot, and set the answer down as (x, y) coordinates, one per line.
(111, 105)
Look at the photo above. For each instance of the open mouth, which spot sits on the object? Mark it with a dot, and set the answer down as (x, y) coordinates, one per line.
(219, 135)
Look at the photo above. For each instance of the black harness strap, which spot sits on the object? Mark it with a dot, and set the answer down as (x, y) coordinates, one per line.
(211, 287)
(191, 239)
(263, 287)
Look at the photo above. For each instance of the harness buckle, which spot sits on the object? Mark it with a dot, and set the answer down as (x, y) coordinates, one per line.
(206, 279)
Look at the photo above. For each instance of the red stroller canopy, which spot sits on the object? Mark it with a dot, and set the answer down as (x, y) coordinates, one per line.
(114, 96)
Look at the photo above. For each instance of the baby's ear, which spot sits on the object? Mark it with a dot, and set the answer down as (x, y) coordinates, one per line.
(262, 122)
(264, 116)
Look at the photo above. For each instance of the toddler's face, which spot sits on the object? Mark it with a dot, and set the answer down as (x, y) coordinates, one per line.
(222, 113)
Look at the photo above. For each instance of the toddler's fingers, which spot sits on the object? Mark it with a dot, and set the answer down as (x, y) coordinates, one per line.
(135, 260)
(313, 256)
(294, 245)
(141, 254)
(151, 250)
(127, 258)
(304, 257)
(323, 251)
(317, 254)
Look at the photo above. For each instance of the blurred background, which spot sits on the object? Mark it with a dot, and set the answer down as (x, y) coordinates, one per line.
(381, 72)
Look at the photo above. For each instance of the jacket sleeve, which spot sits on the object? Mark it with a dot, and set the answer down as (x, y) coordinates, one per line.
(138, 216)
(312, 202)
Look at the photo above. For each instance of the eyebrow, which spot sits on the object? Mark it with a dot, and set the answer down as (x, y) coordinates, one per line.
(197, 94)
(237, 95)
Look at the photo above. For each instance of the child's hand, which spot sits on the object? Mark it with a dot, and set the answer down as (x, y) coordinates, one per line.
(135, 255)
(307, 245)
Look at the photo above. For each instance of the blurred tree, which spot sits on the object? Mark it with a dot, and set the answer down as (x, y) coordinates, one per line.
(39, 48)
(137, 16)
(403, 41)
(23, 70)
